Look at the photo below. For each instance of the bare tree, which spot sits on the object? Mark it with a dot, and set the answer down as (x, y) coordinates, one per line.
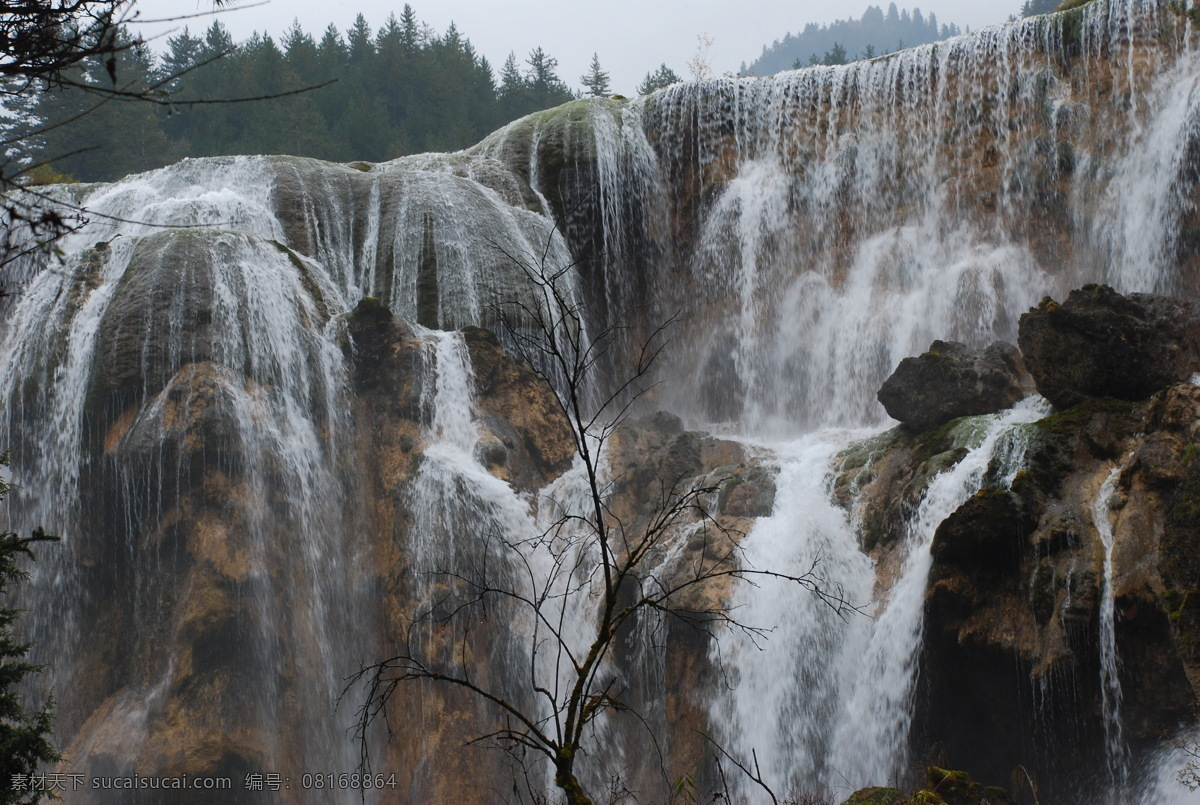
(700, 65)
(585, 559)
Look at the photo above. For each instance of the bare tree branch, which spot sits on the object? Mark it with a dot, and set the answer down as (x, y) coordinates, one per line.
(598, 563)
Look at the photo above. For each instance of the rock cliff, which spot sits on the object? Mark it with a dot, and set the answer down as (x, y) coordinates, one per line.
(1101, 505)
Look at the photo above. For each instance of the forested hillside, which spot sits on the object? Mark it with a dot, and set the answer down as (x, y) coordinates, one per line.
(846, 40)
(376, 95)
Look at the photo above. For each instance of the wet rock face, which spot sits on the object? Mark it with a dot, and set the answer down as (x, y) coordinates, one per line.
(647, 457)
(529, 441)
(1011, 650)
(157, 318)
(1011, 657)
(1102, 344)
(952, 380)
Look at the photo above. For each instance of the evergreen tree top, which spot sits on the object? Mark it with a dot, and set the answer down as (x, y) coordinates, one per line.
(874, 33)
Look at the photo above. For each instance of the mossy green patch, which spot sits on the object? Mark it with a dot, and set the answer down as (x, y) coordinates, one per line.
(1055, 439)
(1070, 19)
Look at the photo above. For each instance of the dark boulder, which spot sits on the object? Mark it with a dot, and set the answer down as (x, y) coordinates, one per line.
(953, 380)
(1102, 344)
(984, 537)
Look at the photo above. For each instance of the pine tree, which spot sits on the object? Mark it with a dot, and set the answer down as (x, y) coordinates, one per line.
(183, 54)
(1034, 7)
(102, 141)
(24, 734)
(205, 129)
(514, 91)
(545, 87)
(595, 80)
(664, 76)
(362, 50)
(410, 30)
(835, 55)
(332, 53)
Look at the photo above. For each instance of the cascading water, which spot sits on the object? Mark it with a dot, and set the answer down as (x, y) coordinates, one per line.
(835, 220)
(190, 368)
(824, 702)
(1110, 681)
(116, 358)
(178, 392)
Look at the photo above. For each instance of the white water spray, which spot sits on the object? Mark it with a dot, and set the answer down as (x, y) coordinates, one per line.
(825, 703)
(1116, 754)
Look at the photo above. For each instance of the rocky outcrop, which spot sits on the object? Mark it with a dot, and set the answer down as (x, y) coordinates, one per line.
(952, 380)
(941, 786)
(651, 458)
(1009, 664)
(527, 442)
(884, 478)
(1017, 578)
(156, 317)
(1102, 344)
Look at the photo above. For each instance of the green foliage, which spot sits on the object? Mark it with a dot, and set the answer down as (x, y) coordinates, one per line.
(664, 76)
(685, 786)
(835, 55)
(363, 96)
(595, 80)
(44, 175)
(847, 40)
(943, 787)
(1032, 8)
(24, 733)
(1180, 8)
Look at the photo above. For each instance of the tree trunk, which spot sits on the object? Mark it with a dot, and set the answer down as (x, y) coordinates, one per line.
(564, 778)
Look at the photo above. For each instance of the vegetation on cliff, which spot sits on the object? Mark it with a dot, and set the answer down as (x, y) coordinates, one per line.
(24, 733)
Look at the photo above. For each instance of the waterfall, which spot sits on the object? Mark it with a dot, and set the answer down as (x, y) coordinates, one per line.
(1110, 681)
(823, 701)
(124, 361)
(825, 223)
(179, 389)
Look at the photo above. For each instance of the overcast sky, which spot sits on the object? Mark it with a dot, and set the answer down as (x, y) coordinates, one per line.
(631, 37)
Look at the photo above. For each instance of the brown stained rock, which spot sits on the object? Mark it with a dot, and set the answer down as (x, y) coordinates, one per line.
(1102, 344)
(1159, 459)
(1174, 410)
(748, 499)
(951, 380)
(194, 411)
(528, 441)
(217, 543)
